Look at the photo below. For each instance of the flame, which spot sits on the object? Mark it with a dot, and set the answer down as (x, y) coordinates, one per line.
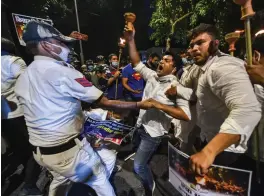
(239, 31)
(259, 32)
(201, 181)
(122, 41)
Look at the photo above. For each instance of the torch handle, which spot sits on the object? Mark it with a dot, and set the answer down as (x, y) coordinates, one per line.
(119, 58)
(248, 41)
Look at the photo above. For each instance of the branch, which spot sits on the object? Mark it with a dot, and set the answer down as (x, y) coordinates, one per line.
(178, 20)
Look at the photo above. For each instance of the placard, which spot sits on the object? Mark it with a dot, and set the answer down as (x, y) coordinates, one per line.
(20, 22)
(218, 181)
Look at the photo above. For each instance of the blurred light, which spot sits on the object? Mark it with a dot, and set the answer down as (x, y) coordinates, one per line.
(122, 41)
(239, 31)
(259, 32)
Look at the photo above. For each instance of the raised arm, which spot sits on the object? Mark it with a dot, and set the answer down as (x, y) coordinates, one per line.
(129, 34)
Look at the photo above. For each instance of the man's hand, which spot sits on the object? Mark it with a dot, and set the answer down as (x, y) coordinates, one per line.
(201, 161)
(147, 104)
(117, 73)
(129, 32)
(171, 92)
(256, 72)
(137, 91)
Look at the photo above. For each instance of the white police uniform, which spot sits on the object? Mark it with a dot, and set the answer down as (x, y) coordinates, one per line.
(12, 67)
(50, 94)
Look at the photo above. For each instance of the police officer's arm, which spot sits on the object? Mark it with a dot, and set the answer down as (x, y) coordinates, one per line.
(17, 67)
(73, 84)
(115, 104)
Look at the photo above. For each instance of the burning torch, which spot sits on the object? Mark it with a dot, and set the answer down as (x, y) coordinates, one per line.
(121, 44)
(130, 19)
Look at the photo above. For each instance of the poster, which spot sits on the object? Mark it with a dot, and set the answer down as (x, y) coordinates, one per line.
(107, 130)
(21, 20)
(218, 181)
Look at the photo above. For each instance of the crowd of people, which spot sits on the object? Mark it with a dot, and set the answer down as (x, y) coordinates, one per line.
(212, 102)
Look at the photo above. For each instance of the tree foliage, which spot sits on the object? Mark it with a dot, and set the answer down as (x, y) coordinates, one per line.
(166, 18)
(169, 11)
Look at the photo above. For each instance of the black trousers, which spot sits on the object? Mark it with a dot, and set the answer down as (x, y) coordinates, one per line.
(15, 132)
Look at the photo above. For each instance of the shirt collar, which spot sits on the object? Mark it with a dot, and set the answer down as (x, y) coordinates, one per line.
(212, 59)
(40, 57)
(167, 78)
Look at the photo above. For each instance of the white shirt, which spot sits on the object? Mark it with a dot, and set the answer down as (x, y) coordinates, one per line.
(50, 94)
(156, 122)
(226, 100)
(11, 68)
(259, 91)
(189, 79)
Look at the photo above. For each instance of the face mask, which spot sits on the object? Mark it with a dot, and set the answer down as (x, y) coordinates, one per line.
(114, 64)
(185, 61)
(64, 52)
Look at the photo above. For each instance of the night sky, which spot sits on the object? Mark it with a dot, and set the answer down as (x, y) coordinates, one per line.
(104, 27)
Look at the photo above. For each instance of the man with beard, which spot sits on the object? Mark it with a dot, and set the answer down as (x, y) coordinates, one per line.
(154, 123)
(227, 108)
(153, 61)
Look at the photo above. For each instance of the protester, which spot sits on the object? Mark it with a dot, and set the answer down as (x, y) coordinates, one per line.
(50, 92)
(256, 72)
(154, 123)
(257, 79)
(99, 78)
(133, 83)
(13, 126)
(100, 60)
(153, 61)
(115, 76)
(227, 108)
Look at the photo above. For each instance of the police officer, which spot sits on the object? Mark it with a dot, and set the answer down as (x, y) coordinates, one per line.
(14, 127)
(50, 92)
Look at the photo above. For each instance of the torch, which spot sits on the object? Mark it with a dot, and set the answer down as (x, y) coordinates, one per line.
(247, 13)
(130, 19)
(121, 45)
(231, 39)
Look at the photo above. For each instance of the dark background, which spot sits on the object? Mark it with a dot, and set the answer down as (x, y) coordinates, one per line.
(104, 24)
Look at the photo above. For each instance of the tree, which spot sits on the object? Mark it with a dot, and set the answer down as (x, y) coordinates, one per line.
(173, 19)
(169, 15)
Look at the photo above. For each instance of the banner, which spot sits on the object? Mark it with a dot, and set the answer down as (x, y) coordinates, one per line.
(218, 181)
(21, 20)
(107, 130)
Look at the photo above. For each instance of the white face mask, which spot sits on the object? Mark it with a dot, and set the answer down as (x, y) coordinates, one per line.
(114, 64)
(64, 52)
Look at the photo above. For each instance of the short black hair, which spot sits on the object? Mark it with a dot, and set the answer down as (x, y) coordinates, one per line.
(176, 59)
(204, 28)
(258, 43)
(110, 56)
(32, 47)
(8, 45)
(153, 55)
